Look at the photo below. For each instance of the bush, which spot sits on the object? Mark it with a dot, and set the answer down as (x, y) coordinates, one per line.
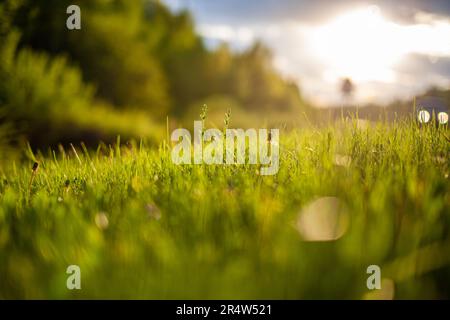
(45, 100)
(35, 88)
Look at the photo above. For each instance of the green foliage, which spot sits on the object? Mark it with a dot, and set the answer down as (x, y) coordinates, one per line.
(141, 55)
(135, 56)
(141, 227)
(126, 73)
(36, 87)
(108, 49)
(259, 86)
(8, 10)
(38, 94)
(46, 100)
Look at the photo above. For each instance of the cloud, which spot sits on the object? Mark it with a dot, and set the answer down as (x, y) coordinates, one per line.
(239, 37)
(307, 11)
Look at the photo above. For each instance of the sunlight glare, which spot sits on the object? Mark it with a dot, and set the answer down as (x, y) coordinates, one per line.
(364, 46)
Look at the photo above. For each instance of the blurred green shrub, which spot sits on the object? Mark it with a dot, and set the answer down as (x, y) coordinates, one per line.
(35, 89)
(45, 100)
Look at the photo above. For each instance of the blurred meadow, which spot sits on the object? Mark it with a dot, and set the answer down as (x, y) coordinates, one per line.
(86, 176)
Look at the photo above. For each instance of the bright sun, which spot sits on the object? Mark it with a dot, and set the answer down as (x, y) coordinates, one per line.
(364, 46)
(361, 45)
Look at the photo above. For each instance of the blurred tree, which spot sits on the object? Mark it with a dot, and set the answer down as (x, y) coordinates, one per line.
(111, 56)
(173, 39)
(107, 48)
(258, 85)
(347, 88)
(8, 10)
(139, 54)
(195, 72)
(36, 91)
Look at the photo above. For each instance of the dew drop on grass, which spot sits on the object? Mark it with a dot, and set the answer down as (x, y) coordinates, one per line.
(443, 117)
(101, 220)
(342, 160)
(423, 116)
(153, 211)
(324, 219)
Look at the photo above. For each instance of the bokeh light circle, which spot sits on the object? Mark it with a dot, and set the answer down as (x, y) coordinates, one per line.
(424, 116)
(443, 117)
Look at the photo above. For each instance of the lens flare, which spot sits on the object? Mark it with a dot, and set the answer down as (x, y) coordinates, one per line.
(423, 116)
(443, 117)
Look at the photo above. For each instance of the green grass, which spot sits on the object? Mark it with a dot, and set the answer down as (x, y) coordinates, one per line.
(225, 231)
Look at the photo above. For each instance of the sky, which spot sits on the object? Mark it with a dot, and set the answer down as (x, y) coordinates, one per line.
(390, 49)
